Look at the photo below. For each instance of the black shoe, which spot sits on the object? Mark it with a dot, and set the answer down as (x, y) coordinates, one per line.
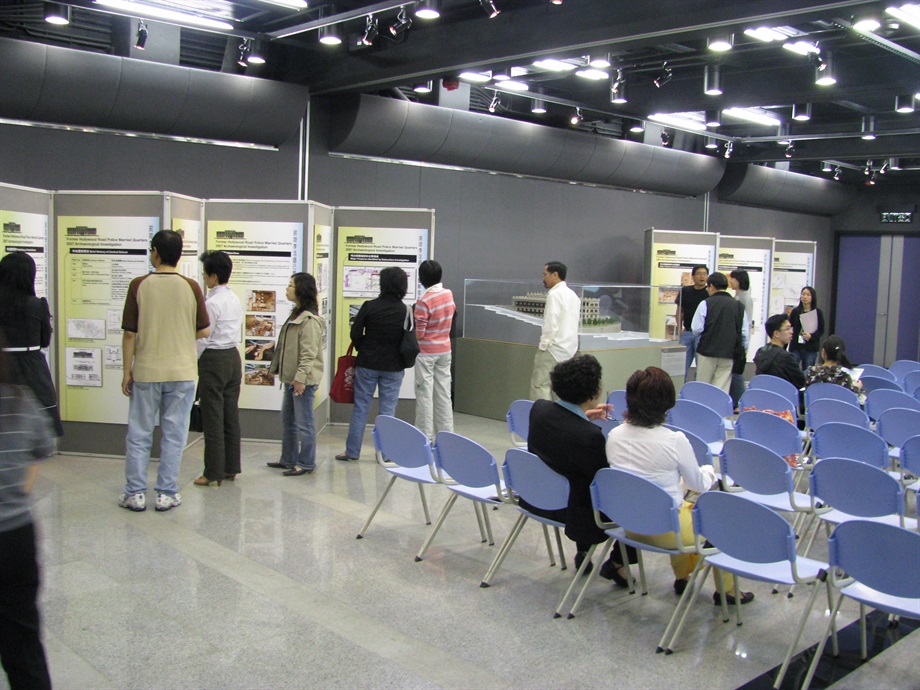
(345, 458)
(746, 598)
(279, 465)
(579, 559)
(610, 571)
(297, 471)
(680, 586)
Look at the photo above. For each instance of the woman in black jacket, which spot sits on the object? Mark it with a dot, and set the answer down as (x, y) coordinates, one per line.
(805, 345)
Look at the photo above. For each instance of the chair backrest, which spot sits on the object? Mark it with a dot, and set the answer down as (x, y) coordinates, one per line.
(856, 488)
(824, 410)
(606, 425)
(910, 456)
(534, 481)
(897, 424)
(839, 440)
(872, 553)
(617, 398)
(877, 383)
(880, 400)
(756, 468)
(903, 367)
(911, 382)
(465, 461)
(634, 503)
(518, 417)
(711, 396)
(769, 430)
(401, 443)
(697, 419)
(764, 399)
(875, 370)
(743, 529)
(823, 390)
(777, 385)
(700, 448)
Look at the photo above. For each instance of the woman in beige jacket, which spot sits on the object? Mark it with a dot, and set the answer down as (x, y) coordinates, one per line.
(298, 361)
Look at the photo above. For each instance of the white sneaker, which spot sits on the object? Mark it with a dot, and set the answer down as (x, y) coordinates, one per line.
(135, 502)
(167, 502)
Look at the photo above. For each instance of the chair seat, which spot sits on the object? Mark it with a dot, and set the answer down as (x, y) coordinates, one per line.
(729, 424)
(484, 494)
(620, 534)
(838, 517)
(420, 475)
(539, 518)
(894, 452)
(778, 502)
(780, 573)
(715, 447)
(900, 606)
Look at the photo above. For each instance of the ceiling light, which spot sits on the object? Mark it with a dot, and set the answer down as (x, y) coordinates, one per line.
(824, 72)
(556, 2)
(139, 9)
(728, 149)
(765, 34)
(601, 61)
(826, 167)
(802, 47)
(401, 24)
(712, 80)
(664, 76)
(500, 76)
(489, 8)
(895, 163)
(593, 74)
(618, 88)
(790, 151)
(256, 54)
(838, 173)
(868, 128)
(868, 168)
(370, 31)
(866, 23)
(679, 121)
(576, 117)
(909, 12)
(424, 87)
(553, 65)
(514, 85)
(904, 104)
(720, 44)
(873, 178)
(293, 4)
(754, 115)
(428, 9)
(713, 118)
(783, 135)
(538, 106)
(496, 102)
(57, 14)
(244, 53)
(476, 77)
(142, 35)
(801, 112)
(883, 169)
(637, 126)
(329, 36)
(711, 143)
(666, 139)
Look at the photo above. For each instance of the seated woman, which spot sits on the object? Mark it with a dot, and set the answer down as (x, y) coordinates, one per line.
(649, 450)
(834, 367)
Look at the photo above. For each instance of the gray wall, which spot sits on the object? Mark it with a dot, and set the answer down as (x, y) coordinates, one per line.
(863, 215)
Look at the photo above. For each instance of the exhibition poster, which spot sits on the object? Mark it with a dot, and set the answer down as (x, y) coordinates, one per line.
(265, 255)
(672, 266)
(361, 253)
(792, 271)
(27, 232)
(98, 259)
(321, 270)
(757, 263)
(190, 229)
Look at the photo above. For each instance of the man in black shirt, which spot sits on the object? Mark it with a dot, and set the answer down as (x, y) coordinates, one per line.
(691, 296)
(773, 359)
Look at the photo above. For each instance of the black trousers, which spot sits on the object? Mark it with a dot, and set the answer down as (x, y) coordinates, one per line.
(21, 650)
(219, 376)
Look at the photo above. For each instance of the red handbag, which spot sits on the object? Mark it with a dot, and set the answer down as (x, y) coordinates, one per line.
(343, 385)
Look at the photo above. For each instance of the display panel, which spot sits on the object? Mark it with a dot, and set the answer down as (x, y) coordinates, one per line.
(27, 232)
(321, 270)
(756, 261)
(793, 269)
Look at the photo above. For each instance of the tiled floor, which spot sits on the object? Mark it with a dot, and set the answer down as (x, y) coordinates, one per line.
(261, 584)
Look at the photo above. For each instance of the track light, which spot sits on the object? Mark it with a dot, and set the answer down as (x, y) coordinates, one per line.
(713, 118)
(868, 169)
(666, 138)
(428, 9)
(866, 23)
(729, 147)
(370, 31)
(904, 104)
(256, 54)
(826, 167)
(489, 8)
(495, 104)
(711, 143)
(538, 106)
(601, 61)
(790, 151)
(868, 128)
(838, 173)
(801, 112)
(824, 71)
(618, 88)
(712, 80)
(556, 2)
(637, 127)
(720, 44)
(883, 169)
(142, 34)
(873, 178)
(424, 87)
(244, 53)
(57, 14)
(329, 36)
(894, 164)
(664, 76)
(401, 24)
(576, 117)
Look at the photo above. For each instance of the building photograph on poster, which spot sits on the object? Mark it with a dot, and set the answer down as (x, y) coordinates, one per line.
(27, 232)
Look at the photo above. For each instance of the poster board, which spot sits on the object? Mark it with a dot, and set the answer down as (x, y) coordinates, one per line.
(320, 267)
(186, 216)
(751, 254)
(793, 269)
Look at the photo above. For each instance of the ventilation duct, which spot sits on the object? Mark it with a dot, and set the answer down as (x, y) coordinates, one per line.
(48, 84)
(379, 127)
(757, 185)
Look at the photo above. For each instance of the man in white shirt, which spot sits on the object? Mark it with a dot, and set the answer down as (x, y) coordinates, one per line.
(559, 337)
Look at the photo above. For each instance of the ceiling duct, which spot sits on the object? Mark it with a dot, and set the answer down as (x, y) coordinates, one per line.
(48, 84)
(757, 185)
(379, 127)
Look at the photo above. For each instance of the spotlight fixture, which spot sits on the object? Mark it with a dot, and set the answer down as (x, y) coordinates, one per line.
(495, 104)
(783, 134)
(802, 47)
(538, 106)
(424, 87)
(477, 77)
(713, 118)
(826, 167)
(244, 53)
(720, 44)
(142, 34)
(556, 2)
(57, 14)
(401, 24)
(908, 13)
(711, 143)
(577, 117)
(838, 173)
(329, 36)
(666, 138)
(601, 61)
(904, 104)
(370, 31)
(894, 164)
(790, 151)
(488, 6)
(824, 71)
(884, 168)
(868, 128)
(592, 73)
(728, 149)
(428, 9)
(618, 88)
(866, 23)
(801, 112)
(712, 80)
(637, 127)
(256, 55)
(873, 178)
(868, 169)
(664, 76)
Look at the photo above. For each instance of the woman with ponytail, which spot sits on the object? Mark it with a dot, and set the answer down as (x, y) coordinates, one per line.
(835, 366)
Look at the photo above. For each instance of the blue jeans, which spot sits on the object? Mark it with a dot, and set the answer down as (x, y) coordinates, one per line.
(173, 400)
(805, 359)
(298, 435)
(366, 381)
(690, 341)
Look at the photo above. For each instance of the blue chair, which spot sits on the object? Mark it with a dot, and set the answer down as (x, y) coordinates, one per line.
(903, 367)
(823, 390)
(698, 419)
(763, 399)
(606, 425)
(469, 470)
(750, 541)
(757, 473)
(617, 398)
(871, 555)
(777, 385)
(700, 448)
(771, 431)
(896, 425)
(911, 382)
(405, 452)
(518, 417)
(712, 397)
(839, 440)
(825, 410)
(877, 383)
(910, 463)
(880, 400)
(528, 477)
(875, 370)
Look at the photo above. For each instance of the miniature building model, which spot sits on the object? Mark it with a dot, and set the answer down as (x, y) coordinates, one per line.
(535, 302)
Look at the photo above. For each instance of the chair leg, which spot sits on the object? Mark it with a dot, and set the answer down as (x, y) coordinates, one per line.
(798, 633)
(421, 492)
(737, 601)
(863, 652)
(479, 509)
(485, 517)
(437, 525)
(503, 551)
(643, 587)
(820, 650)
(383, 495)
(580, 570)
(720, 579)
(561, 552)
(590, 578)
(697, 583)
(549, 545)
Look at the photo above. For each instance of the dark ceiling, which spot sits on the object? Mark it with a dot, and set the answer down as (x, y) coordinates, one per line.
(872, 69)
